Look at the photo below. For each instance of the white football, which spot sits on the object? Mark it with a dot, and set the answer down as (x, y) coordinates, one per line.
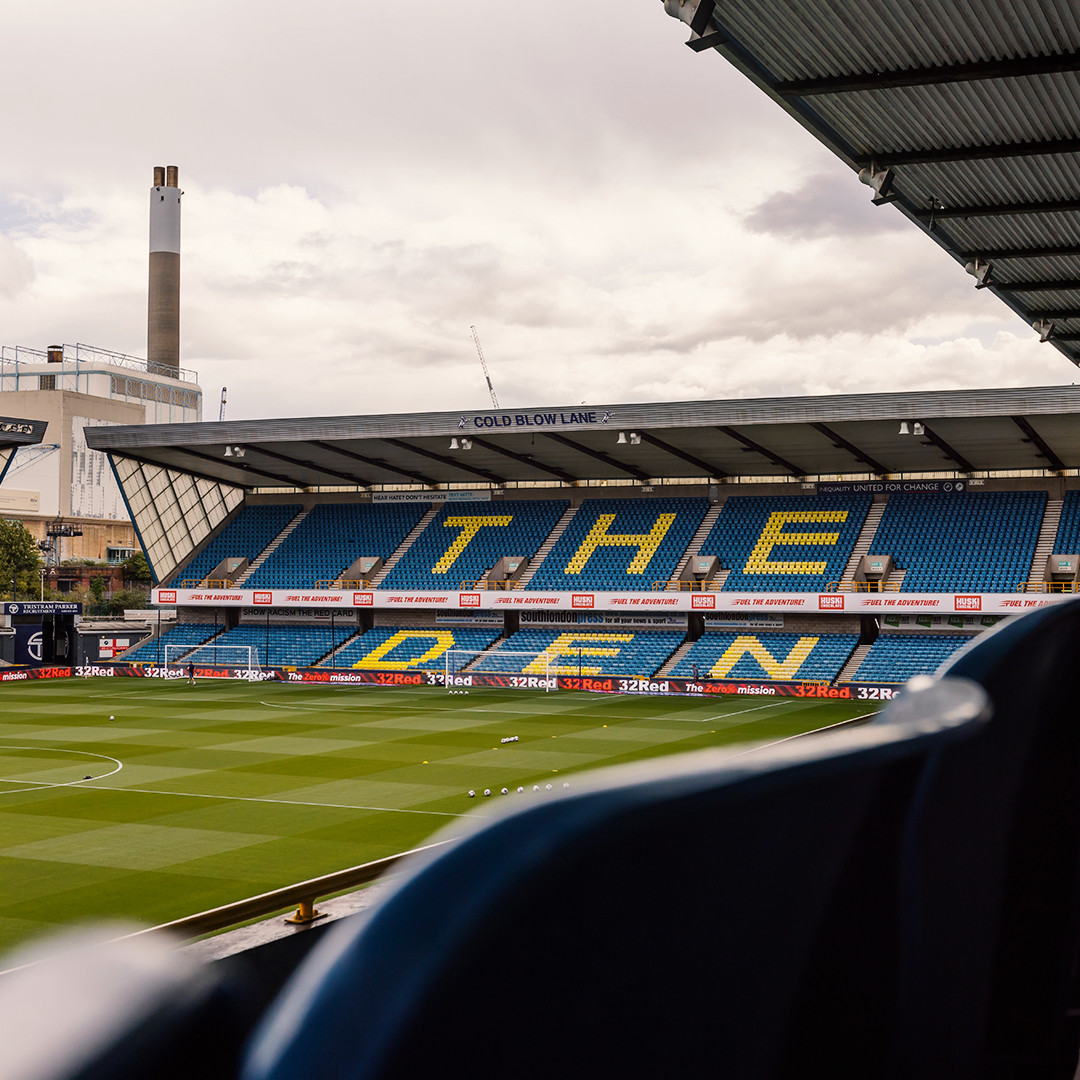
(487, 791)
(472, 794)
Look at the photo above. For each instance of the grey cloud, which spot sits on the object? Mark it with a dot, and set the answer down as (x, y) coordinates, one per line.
(825, 205)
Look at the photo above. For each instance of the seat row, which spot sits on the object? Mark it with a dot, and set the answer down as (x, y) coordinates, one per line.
(758, 656)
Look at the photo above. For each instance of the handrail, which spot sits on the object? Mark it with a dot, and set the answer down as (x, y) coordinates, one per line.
(207, 583)
(1048, 586)
(505, 585)
(303, 894)
(863, 586)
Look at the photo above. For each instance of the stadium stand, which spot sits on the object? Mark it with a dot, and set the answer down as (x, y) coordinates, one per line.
(244, 537)
(331, 538)
(785, 543)
(393, 648)
(981, 542)
(587, 652)
(728, 654)
(464, 541)
(621, 544)
(895, 658)
(285, 646)
(153, 650)
(1067, 541)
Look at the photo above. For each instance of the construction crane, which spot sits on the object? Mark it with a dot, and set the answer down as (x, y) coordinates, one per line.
(221, 411)
(483, 364)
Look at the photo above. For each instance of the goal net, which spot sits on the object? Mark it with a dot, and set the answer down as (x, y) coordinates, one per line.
(243, 660)
(525, 669)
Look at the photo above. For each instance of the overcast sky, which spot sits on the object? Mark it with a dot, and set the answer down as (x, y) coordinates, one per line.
(623, 220)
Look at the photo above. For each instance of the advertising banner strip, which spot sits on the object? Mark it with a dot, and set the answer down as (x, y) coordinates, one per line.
(339, 602)
(599, 684)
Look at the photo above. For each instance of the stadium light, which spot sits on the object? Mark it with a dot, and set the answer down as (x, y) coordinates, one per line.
(621, 440)
(981, 271)
(453, 444)
(466, 444)
(1044, 328)
(904, 429)
(881, 181)
(917, 428)
(635, 439)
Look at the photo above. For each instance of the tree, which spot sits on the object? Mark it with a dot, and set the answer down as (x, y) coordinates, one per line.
(19, 558)
(136, 568)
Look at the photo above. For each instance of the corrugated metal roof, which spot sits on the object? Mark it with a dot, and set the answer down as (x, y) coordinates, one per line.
(783, 437)
(1027, 196)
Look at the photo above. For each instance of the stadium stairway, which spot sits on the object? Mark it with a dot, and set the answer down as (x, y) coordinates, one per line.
(330, 656)
(471, 665)
(866, 538)
(707, 522)
(546, 546)
(852, 665)
(1044, 546)
(407, 543)
(270, 549)
(675, 657)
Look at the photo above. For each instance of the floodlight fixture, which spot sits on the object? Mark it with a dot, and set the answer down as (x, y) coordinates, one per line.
(917, 429)
(904, 429)
(881, 181)
(635, 439)
(621, 440)
(981, 270)
(466, 444)
(453, 444)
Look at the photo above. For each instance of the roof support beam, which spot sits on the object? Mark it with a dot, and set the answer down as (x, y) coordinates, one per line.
(377, 463)
(454, 463)
(1056, 313)
(525, 459)
(1055, 285)
(842, 444)
(355, 481)
(946, 449)
(973, 71)
(999, 254)
(682, 455)
(935, 155)
(700, 22)
(1048, 206)
(599, 455)
(731, 433)
(235, 463)
(1038, 441)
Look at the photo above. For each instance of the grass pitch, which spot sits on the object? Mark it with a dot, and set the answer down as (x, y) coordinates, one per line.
(193, 797)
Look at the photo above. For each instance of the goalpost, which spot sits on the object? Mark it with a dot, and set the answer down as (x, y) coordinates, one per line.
(243, 659)
(465, 662)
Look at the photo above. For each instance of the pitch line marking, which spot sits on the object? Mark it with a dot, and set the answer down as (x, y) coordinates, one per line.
(42, 785)
(287, 802)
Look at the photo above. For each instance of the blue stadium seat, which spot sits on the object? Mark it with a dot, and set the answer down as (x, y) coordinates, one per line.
(590, 651)
(763, 944)
(465, 540)
(980, 543)
(331, 538)
(621, 544)
(766, 655)
(395, 648)
(290, 645)
(785, 543)
(153, 651)
(895, 658)
(246, 536)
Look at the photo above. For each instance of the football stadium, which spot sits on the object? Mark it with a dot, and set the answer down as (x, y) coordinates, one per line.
(769, 762)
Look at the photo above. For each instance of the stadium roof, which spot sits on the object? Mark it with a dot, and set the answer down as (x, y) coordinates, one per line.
(962, 431)
(15, 433)
(965, 116)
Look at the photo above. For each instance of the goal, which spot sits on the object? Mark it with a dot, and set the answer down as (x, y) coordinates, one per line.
(524, 668)
(242, 659)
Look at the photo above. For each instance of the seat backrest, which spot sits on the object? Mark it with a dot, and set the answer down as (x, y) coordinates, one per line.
(730, 913)
(991, 869)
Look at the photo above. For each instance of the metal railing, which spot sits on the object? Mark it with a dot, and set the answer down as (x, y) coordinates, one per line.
(692, 585)
(303, 894)
(863, 586)
(497, 586)
(1049, 586)
(207, 583)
